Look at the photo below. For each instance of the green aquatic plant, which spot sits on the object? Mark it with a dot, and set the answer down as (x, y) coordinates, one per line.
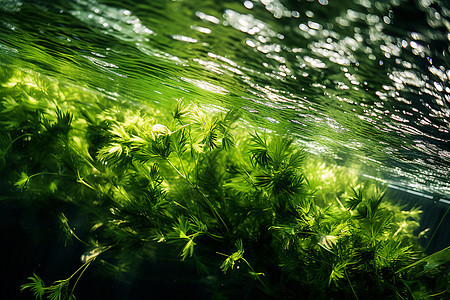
(194, 186)
(60, 289)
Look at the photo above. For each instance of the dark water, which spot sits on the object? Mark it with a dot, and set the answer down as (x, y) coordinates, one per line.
(362, 82)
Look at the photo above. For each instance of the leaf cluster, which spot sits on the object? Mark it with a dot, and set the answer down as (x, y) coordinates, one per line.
(193, 185)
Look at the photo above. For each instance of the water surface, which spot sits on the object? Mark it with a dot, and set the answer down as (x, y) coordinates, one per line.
(364, 83)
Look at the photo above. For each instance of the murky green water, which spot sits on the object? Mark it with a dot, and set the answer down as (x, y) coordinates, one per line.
(362, 82)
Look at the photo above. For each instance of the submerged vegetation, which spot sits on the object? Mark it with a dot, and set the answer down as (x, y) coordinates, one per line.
(250, 209)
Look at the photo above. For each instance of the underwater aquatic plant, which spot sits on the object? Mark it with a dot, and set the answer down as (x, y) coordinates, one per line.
(183, 184)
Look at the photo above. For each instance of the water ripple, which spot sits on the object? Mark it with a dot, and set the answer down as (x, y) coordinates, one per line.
(356, 80)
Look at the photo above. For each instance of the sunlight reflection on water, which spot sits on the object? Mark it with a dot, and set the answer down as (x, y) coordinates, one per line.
(353, 80)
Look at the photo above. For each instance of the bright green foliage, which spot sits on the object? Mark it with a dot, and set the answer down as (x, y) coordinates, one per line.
(22, 181)
(233, 258)
(59, 290)
(194, 186)
(36, 285)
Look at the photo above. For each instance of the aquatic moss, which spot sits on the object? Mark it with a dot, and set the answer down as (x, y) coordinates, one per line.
(250, 209)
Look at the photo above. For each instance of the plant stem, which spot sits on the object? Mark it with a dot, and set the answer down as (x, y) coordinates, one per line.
(48, 173)
(86, 265)
(80, 180)
(18, 138)
(259, 279)
(437, 228)
(201, 194)
(351, 285)
(78, 239)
